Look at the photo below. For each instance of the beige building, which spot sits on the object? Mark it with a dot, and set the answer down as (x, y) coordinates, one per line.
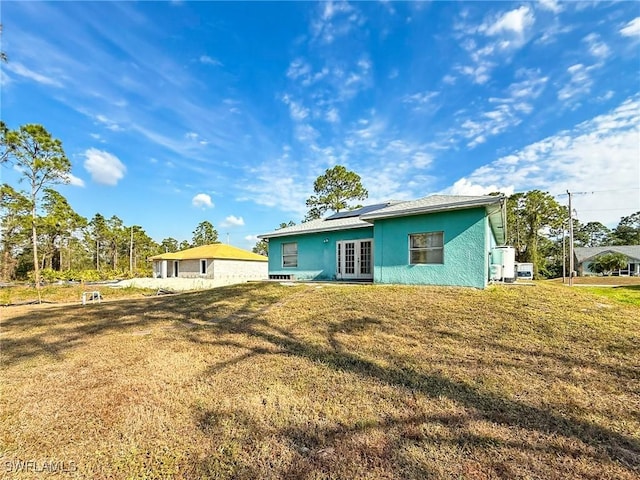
(216, 262)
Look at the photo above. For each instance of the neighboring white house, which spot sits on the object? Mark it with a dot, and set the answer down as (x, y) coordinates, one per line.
(216, 261)
(585, 255)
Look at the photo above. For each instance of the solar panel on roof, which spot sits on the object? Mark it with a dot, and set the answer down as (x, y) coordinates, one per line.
(357, 212)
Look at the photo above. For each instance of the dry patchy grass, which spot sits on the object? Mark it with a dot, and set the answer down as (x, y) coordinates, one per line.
(269, 381)
(70, 293)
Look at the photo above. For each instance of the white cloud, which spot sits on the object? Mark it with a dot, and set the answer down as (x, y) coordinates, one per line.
(336, 19)
(514, 22)
(449, 79)
(104, 167)
(298, 68)
(298, 112)
(232, 221)
(597, 48)
(419, 100)
(25, 72)
(206, 59)
(251, 238)
(551, 5)
(579, 82)
(279, 175)
(466, 187)
(202, 200)
(332, 115)
(600, 156)
(631, 29)
(75, 181)
(480, 72)
(107, 122)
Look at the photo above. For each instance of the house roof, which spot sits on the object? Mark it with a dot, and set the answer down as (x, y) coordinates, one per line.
(365, 216)
(321, 225)
(215, 250)
(584, 254)
(433, 203)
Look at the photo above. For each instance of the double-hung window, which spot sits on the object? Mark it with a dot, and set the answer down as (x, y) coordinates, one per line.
(289, 254)
(426, 248)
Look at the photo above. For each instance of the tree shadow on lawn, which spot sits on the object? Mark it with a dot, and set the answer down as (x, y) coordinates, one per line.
(490, 407)
(61, 328)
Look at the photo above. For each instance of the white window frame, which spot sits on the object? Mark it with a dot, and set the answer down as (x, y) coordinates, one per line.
(426, 249)
(289, 255)
(203, 263)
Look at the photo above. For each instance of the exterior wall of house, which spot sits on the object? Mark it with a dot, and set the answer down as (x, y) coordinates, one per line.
(236, 271)
(191, 269)
(219, 269)
(316, 257)
(466, 246)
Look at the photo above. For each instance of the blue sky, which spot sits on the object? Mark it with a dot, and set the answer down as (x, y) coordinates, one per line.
(178, 112)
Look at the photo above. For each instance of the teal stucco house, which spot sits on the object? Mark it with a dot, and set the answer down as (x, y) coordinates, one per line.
(436, 240)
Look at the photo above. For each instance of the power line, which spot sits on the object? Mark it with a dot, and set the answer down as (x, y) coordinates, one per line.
(613, 190)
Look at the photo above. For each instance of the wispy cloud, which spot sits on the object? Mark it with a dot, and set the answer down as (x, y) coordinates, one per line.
(550, 5)
(21, 70)
(297, 111)
(579, 83)
(596, 46)
(631, 29)
(335, 20)
(497, 37)
(104, 167)
(593, 156)
(207, 60)
(514, 22)
(420, 100)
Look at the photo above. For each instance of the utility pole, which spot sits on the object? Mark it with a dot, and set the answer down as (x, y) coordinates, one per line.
(570, 241)
(227, 238)
(564, 254)
(131, 253)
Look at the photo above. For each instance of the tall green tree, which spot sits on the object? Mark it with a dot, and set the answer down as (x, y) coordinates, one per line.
(169, 245)
(204, 234)
(333, 191)
(628, 230)
(116, 241)
(15, 220)
(59, 223)
(42, 162)
(532, 216)
(592, 234)
(97, 236)
(261, 248)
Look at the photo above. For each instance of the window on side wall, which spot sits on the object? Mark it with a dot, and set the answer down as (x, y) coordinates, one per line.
(289, 255)
(203, 267)
(426, 248)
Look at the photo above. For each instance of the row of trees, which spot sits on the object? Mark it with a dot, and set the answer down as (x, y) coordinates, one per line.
(41, 231)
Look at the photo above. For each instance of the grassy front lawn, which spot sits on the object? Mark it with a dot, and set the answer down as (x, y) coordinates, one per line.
(312, 381)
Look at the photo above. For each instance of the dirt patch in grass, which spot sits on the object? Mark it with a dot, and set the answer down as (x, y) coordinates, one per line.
(266, 381)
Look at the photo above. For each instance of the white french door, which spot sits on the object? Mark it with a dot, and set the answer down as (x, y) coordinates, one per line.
(354, 259)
